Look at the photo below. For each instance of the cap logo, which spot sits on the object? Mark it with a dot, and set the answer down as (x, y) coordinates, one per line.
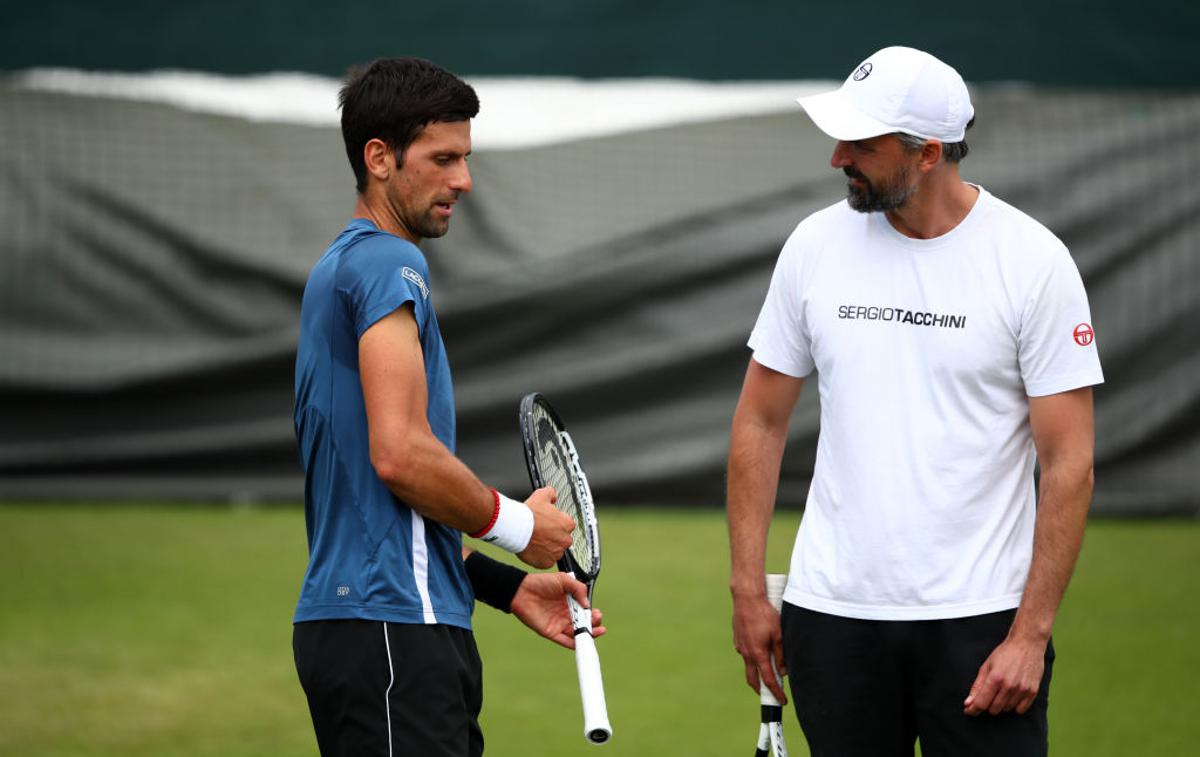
(863, 71)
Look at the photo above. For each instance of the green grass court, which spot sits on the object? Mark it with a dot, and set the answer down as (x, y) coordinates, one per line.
(165, 631)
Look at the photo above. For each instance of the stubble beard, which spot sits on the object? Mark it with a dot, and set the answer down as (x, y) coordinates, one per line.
(888, 195)
(425, 224)
(428, 226)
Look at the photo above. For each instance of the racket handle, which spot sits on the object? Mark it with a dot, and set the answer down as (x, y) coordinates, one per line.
(596, 727)
(764, 694)
(776, 582)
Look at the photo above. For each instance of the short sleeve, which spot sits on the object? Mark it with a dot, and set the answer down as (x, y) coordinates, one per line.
(780, 338)
(379, 275)
(1057, 349)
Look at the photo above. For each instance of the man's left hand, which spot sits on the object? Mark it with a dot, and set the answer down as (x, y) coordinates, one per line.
(541, 604)
(1009, 678)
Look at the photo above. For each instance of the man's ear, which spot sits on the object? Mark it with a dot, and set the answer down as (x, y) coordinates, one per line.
(931, 155)
(379, 159)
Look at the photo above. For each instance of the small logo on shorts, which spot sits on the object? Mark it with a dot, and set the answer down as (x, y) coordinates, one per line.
(415, 278)
(343, 591)
(1084, 334)
(863, 71)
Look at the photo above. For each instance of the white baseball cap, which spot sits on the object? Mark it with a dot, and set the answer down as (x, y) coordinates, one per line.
(896, 89)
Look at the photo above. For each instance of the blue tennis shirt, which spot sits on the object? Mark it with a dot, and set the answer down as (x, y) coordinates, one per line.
(370, 556)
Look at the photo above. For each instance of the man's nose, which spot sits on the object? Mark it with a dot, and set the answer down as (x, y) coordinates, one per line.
(461, 180)
(841, 156)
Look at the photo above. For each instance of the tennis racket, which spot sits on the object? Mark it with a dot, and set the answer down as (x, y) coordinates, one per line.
(770, 730)
(552, 461)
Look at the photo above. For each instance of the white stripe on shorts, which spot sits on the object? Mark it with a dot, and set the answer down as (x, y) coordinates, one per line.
(387, 695)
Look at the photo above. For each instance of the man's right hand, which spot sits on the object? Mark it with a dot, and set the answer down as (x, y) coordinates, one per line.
(552, 530)
(758, 638)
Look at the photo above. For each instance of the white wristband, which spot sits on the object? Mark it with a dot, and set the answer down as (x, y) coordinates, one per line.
(513, 525)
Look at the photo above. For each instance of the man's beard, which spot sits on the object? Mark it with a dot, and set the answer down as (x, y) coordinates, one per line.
(888, 195)
(429, 226)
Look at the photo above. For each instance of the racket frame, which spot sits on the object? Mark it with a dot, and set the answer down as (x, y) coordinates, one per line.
(596, 728)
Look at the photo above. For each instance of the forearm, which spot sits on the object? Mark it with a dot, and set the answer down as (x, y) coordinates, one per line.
(755, 456)
(1066, 494)
(426, 476)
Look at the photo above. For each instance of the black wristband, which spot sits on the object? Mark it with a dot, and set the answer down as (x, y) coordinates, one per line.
(495, 583)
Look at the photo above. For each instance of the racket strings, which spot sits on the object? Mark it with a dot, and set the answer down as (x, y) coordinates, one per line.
(559, 470)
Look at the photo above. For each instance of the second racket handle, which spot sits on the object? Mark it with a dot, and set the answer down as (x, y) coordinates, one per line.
(596, 727)
(776, 582)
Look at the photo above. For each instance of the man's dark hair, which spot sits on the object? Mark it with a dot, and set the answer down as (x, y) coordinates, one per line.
(393, 99)
(952, 152)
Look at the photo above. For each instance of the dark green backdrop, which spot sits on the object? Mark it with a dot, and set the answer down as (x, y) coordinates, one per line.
(1107, 43)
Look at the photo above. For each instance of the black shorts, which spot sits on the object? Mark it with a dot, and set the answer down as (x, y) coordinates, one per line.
(874, 687)
(390, 689)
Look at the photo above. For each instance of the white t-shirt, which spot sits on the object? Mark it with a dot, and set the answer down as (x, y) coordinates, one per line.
(922, 500)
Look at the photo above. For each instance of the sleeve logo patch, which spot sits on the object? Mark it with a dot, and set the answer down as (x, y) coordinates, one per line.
(415, 278)
(1084, 334)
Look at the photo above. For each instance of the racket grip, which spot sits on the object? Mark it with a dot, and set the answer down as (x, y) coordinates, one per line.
(776, 582)
(764, 694)
(596, 727)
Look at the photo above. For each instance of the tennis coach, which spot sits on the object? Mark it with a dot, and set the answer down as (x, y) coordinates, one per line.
(950, 333)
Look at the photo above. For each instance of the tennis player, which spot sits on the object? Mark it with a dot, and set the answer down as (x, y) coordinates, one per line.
(382, 636)
(952, 340)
